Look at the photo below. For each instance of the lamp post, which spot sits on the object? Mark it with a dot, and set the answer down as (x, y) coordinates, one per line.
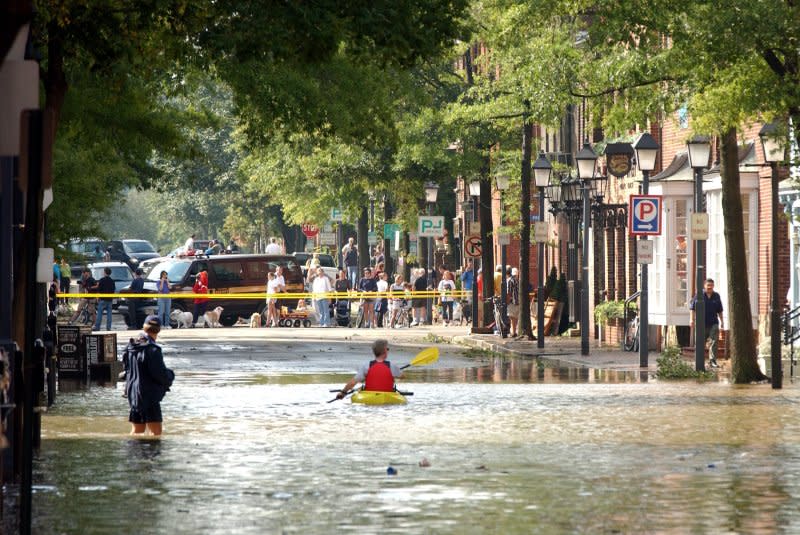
(474, 191)
(570, 196)
(542, 170)
(587, 164)
(501, 181)
(431, 192)
(646, 151)
(372, 197)
(699, 149)
(774, 153)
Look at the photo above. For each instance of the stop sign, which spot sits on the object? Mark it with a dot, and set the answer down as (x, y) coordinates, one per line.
(310, 230)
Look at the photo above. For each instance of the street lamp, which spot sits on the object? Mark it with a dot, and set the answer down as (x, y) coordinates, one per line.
(372, 198)
(542, 170)
(587, 164)
(699, 149)
(774, 153)
(501, 182)
(474, 191)
(646, 151)
(431, 192)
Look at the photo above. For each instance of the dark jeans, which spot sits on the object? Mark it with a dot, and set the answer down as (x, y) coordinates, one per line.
(199, 310)
(447, 310)
(133, 313)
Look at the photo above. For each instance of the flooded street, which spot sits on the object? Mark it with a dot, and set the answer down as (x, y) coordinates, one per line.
(252, 446)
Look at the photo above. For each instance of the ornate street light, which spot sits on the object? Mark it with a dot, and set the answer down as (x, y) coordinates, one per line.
(774, 152)
(646, 152)
(501, 181)
(587, 162)
(431, 193)
(699, 149)
(542, 171)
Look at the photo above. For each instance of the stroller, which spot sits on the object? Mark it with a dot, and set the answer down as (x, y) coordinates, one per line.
(341, 312)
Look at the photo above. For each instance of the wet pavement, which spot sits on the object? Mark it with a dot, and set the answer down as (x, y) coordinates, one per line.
(487, 443)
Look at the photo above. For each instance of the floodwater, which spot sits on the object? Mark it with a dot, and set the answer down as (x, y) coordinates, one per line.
(252, 446)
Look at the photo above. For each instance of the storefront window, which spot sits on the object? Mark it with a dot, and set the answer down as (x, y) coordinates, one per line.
(681, 252)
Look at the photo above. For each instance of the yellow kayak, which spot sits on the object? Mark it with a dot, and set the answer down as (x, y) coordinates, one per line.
(372, 397)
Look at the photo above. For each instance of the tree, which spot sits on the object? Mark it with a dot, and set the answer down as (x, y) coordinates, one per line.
(639, 62)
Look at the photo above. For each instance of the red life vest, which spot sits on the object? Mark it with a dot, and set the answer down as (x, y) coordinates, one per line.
(379, 378)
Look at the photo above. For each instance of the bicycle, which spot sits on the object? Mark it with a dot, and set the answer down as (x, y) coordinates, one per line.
(631, 339)
(500, 324)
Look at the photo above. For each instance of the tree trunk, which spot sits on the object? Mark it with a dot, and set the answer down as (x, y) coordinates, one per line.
(525, 234)
(487, 231)
(363, 240)
(388, 241)
(741, 339)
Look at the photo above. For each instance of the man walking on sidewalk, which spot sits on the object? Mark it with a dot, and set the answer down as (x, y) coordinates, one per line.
(713, 319)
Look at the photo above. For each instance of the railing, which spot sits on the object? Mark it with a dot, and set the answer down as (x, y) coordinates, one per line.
(790, 328)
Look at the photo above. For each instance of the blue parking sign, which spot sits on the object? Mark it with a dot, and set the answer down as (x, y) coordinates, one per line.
(644, 215)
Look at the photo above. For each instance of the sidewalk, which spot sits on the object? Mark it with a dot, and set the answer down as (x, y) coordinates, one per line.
(560, 350)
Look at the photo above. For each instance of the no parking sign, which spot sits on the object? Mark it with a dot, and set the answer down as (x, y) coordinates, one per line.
(644, 215)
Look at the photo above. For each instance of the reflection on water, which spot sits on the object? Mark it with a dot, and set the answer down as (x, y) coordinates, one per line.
(513, 448)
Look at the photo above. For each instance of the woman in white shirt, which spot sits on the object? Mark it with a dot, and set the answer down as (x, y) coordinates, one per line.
(446, 288)
(320, 287)
(382, 302)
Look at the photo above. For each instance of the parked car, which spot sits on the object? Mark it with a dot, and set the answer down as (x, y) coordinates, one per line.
(120, 273)
(83, 252)
(325, 261)
(131, 251)
(227, 274)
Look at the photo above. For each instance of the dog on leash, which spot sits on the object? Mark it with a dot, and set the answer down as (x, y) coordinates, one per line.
(255, 320)
(183, 319)
(211, 318)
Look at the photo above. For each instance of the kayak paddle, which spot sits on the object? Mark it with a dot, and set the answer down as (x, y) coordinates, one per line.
(424, 357)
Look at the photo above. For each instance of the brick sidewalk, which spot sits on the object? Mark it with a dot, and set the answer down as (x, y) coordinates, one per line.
(564, 350)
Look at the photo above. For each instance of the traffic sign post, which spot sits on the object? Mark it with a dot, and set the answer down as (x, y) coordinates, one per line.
(644, 251)
(644, 215)
(310, 230)
(698, 228)
(472, 246)
(431, 226)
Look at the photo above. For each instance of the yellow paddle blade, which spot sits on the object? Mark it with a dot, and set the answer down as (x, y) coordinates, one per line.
(425, 357)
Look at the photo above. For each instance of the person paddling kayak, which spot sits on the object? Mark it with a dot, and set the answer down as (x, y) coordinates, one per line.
(377, 375)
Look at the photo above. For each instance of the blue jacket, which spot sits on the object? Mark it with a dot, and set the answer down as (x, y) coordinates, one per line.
(147, 379)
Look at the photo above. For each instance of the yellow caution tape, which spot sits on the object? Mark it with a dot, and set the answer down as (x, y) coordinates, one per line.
(282, 295)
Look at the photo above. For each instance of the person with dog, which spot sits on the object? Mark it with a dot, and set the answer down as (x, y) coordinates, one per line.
(200, 303)
(273, 287)
(147, 379)
(164, 303)
(378, 375)
(105, 286)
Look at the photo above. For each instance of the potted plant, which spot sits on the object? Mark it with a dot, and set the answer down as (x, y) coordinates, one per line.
(611, 316)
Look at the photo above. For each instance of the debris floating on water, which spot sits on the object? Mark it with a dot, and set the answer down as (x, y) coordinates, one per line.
(424, 463)
(391, 471)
